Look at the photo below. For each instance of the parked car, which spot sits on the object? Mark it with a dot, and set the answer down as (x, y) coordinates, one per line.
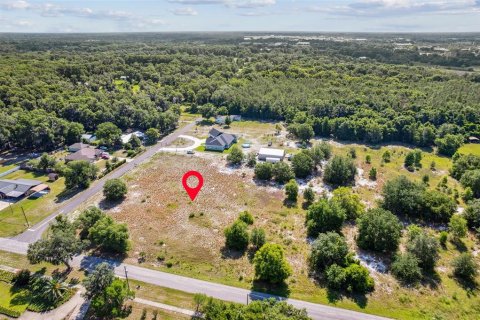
(103, 148)
(246, 145)
(269, 143)
(105, 155)
(190, 152)
(289, 156)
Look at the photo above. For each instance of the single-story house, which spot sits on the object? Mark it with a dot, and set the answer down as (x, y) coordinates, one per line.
(473, 140)
(41, 188)
(88, 137)
(127, 136)
(271, 155)
(16, 188)
(219, 141)
(87, 154)
(52, 176)
(233, 117)
(77, 146)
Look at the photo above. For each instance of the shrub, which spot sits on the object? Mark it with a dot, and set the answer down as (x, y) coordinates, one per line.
(270, 264)
(22, 278)
(10, 312)
(425, 249)
(114, 189)
(472, 214)
(302, 164)
(6, 276)
(349, 201)
(258, 237)
(386, 156)
(372, 174)
(291, 190)
(236, 236)
(471, 179)
(246, 217)
(405, 268)
(379, 230)
(324, 216)
(282, 172)
(110, 235)
(309, 195)
(464, 266)
(336, 277)
(340, 171)
(236, 156)
(458, 226)
(264, 171)
(403, 197)
(358, 279)
(328, 249)
(438, 206)
(443, 238)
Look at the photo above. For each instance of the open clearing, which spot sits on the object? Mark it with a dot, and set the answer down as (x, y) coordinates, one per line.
(186, 237)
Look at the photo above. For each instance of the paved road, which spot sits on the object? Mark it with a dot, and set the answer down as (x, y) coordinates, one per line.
(3, 174)
(35, 232)
(216, 290)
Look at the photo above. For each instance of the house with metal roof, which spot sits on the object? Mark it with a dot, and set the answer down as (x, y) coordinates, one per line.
(16, 188)
(271, 155)
(219, 141)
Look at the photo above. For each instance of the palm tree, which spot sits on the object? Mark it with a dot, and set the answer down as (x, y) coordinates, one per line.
(53, 289)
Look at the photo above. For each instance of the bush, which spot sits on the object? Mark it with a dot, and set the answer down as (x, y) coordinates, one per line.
(443, 238)
(405, 268)
(302, 164)
(251, 160)
(438, 206)
(403, 197)
(114, 189)
(372, 174)
(340, 171)
(258, 237)
(471, 179)
(458, 227)
(328, 249)
(291, 190)
(379, 230)
(309, 195)
(282, 172)
(22, 278)
(10, 312)
(464, 266)
(246, 217)
(425, 249)
(336, 277)
(110, 235)
(236, 236)
(449, 144)
(270, 264)
(349, 201)
(358, 279)
(324, 216)
(6, 276)
(236, 156)
(264, 171)
(472, 214)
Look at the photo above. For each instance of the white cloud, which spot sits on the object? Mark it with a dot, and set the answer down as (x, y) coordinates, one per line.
(228, 3)
(187, 11)
(13, 5)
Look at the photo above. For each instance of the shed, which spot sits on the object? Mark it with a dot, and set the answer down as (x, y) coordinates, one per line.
(269, 154)
(473, 140)
(38, 188)
(52, 176)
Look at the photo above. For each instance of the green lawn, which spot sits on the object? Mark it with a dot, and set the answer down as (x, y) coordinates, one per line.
(473, 148)
(12, 298)
(35, 209)
(7, 167)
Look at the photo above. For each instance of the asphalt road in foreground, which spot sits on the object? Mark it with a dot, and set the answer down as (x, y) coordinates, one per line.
(35, 232)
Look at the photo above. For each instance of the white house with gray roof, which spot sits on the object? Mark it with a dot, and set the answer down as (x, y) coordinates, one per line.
(219, 141)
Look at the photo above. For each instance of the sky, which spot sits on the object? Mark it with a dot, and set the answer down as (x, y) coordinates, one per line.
(69, 16)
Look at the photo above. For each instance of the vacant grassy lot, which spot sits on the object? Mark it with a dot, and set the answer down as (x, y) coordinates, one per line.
(35, 209)
(185, 237)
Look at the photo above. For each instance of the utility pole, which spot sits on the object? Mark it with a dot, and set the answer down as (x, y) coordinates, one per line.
(25, 216)
(126, 277)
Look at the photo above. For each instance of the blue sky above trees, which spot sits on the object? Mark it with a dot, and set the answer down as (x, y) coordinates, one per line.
(240, 15)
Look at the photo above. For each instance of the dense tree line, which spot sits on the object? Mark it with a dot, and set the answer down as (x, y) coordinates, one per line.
(52, 86)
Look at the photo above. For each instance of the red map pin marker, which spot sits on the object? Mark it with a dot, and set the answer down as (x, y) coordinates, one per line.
(192, 192)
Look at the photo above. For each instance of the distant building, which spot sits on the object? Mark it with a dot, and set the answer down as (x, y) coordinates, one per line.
(52, 176)
(77, 146)
(233, 117)
(88, 138)
(271, 155)
(473, 140)
(219, 141)
(88, 154)
(16, 188)
(127, 136)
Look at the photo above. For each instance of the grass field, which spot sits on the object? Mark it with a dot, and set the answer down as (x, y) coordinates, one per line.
(470, 148)
(186, 238)
(35, 209)
(13, 299)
